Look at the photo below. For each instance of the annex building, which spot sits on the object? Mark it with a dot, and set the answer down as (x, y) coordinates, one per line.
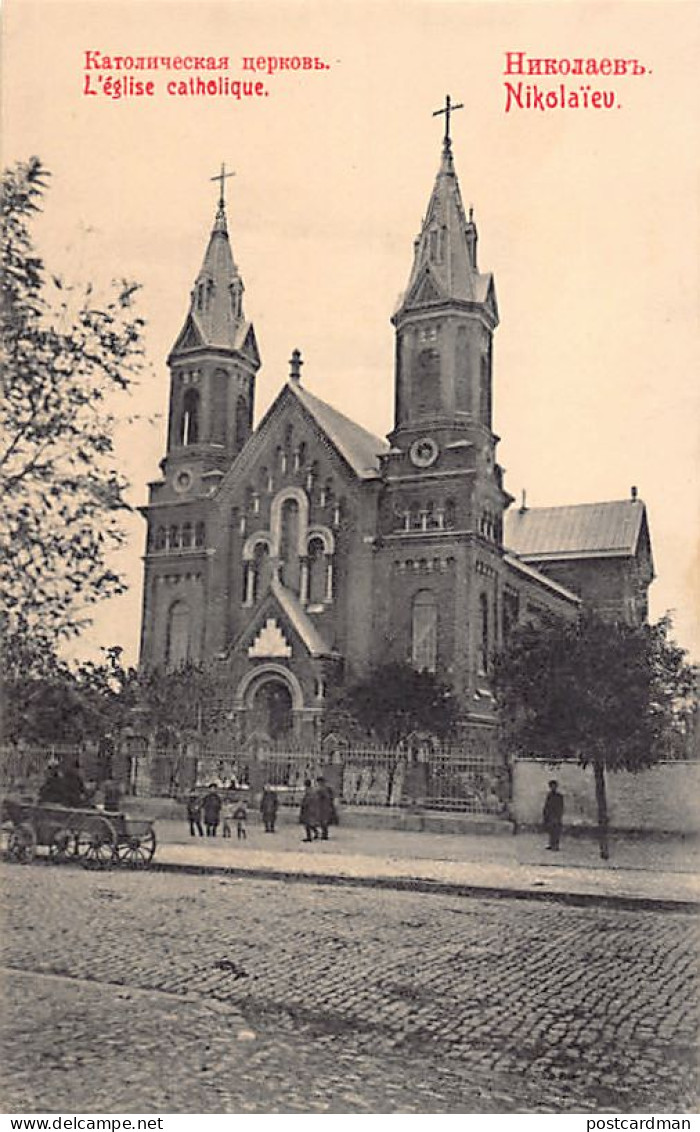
(307, 548)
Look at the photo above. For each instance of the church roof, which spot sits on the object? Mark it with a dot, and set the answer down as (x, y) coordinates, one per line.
(586, 530)
(444, 264)
(358, 447)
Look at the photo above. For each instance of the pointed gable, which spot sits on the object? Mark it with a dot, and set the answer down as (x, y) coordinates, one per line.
(280, 627)
(425, 290)
(190, 338)
(360, 449)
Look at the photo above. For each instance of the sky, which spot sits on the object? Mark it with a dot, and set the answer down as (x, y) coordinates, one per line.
(588, 218)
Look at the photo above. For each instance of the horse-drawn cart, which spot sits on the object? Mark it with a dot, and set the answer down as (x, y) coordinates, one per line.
(95, 838)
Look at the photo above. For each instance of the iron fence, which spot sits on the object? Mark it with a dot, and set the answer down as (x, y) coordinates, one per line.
(447, 780)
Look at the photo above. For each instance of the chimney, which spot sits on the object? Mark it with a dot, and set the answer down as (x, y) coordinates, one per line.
(633, 493)
(523, 505)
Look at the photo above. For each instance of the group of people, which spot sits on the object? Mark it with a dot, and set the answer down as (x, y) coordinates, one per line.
(214, 811)
(205, 813)
(318, 810)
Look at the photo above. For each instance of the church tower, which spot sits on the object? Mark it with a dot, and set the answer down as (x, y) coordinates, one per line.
(441, 517)
(213, 366)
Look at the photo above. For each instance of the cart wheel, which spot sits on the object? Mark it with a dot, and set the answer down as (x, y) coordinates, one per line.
(95, 844)
(62, 844)
(21, 844)
(136, 852)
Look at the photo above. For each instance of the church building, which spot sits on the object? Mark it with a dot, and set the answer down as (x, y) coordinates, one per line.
(307, 550)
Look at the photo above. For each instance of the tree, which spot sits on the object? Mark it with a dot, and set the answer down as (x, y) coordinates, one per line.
(605, 694)
(392, 702)
(63, 358)
(88, 702)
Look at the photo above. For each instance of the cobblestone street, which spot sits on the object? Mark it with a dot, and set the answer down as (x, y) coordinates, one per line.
(152, 992)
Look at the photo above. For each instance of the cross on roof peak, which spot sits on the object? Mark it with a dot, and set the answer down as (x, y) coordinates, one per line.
(448, 109)
(221, 177)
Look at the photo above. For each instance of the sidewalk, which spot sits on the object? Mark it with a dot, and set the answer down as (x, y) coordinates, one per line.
(658, 872)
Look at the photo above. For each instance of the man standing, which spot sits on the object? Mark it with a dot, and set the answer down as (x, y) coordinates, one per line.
(308, 813)
(194, 815)
(268, 808)
(326, 806)
(553, 814)
(211, 808)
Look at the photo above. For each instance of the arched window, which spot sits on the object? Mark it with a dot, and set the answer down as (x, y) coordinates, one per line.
(317, 572)
(484, 643)
(261, 569)
(199, 534)
(242, 423)
(177, 645)
(174, 538)
(449, 513)
(289, 544)
(219, 416)
(189, 421)
(427, 381)
(485, 390)
(161, 539)
(424, 631)
(187, 534)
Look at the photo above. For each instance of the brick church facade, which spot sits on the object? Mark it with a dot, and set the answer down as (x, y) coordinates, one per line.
(307, 550)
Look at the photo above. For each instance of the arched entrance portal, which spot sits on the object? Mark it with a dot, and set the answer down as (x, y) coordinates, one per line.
(271, 709)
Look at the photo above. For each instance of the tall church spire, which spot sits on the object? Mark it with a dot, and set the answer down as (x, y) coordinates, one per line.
(216, 317)
(444, 264)
(215, 357)
(446, 317)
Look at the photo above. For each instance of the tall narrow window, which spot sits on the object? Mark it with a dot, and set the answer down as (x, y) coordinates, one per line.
(289, 544)
(424, 631)
(484, 644)
(177, 645)
(261, 571)
(485, 389)
(189, 421)
(242, 423)
(317, 572)
(219, 393)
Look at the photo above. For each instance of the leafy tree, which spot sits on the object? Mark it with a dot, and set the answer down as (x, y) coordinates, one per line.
(90, 702)
(391, 703)
(63, 356)
(605, 694)
(180, 705)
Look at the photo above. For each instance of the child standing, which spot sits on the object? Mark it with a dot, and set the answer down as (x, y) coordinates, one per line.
(227, 816)
(240, 816)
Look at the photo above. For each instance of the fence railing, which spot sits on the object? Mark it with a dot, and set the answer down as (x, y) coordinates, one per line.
(447, 780)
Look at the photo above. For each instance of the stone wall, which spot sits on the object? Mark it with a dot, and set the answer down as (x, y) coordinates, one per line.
(663, 799)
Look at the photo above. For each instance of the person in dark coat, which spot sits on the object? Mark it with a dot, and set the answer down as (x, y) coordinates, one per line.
(326, 806)
(553, 814)
(308, 814)
(73, 788)
(194, 815)
(268, 808)
(211, 808)
(51, 789)
(111, 794)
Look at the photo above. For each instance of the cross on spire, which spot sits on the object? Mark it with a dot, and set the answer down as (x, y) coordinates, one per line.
(447, 109)
(221, 177)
